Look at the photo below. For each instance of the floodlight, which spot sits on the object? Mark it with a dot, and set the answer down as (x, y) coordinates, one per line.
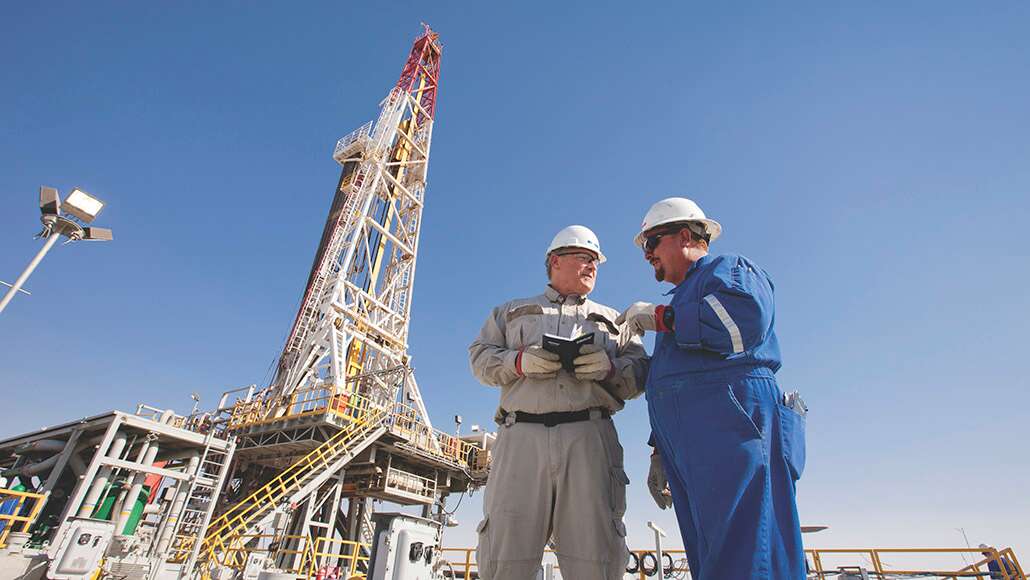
(49, 201)
(82, 205)
(97, 234)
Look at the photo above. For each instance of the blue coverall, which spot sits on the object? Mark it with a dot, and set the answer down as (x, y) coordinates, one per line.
(731, 450)
(995, 568)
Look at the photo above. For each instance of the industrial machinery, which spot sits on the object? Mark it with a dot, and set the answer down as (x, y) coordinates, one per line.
(278, 481)
(404, 547)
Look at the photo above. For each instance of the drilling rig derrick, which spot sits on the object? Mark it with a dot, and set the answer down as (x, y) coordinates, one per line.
(281, 479)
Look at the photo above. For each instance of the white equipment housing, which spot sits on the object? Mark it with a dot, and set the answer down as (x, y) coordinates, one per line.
(404, 547)
(80, 549)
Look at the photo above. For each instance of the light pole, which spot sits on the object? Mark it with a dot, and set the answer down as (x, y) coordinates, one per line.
(81, 206)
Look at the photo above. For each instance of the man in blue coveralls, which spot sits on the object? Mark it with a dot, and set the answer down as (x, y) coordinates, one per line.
(728, 451)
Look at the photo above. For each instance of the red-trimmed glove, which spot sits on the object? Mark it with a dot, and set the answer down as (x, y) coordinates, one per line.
(537, 363)
(644, 316)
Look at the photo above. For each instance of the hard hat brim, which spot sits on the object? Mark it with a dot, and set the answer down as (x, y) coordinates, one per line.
(712, 227)
(600, 257)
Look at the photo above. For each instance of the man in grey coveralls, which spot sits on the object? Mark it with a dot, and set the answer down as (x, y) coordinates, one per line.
(557, 466)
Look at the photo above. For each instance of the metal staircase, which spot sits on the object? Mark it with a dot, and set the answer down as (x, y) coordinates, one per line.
(229, 531)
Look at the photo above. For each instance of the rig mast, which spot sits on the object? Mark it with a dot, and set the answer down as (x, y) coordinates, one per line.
(354, 315)
(344, 417)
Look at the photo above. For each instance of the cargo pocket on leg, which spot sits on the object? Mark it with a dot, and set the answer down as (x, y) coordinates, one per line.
(619, 481)
(486, 561)
(792, 434)
(616, 566)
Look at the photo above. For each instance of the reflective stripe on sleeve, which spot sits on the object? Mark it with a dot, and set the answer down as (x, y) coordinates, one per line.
(724, 317)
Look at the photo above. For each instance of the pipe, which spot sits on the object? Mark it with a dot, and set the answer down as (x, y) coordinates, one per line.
(146, 457)
(124, 486)
(177, 455)
(100, 481)
(177, 505)
(77, 464)
(119, 501)
(32, 468)
(55, 446)
(41, 446)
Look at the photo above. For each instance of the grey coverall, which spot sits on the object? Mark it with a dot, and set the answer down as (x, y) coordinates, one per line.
(565, 481)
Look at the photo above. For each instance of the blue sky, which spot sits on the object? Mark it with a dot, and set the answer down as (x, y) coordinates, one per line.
(873, 157)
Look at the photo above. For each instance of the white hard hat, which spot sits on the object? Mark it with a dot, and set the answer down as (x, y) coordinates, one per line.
(577, 237)
(676, 209)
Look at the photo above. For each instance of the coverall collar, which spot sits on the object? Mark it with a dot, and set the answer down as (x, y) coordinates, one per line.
(555, 298)
(700, 263)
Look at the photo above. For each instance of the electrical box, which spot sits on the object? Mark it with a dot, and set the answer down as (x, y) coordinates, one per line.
(82, 546)
(403, 548)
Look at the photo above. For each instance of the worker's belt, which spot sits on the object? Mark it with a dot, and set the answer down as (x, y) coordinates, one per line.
(552, 419)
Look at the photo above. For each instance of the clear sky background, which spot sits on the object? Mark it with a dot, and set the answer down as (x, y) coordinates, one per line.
(872, 156)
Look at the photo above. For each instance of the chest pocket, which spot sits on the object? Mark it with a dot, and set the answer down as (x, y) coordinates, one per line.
(523, 325)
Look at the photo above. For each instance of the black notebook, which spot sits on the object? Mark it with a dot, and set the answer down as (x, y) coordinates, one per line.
(567, 348)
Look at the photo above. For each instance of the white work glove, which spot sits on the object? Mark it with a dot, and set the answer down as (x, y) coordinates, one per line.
(537, 363)
(658, 483)
(592, 364)
(640, 317)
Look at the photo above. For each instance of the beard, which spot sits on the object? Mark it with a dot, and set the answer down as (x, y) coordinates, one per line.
(659, 274)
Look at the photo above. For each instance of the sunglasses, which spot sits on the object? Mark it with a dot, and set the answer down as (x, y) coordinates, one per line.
(651, 242)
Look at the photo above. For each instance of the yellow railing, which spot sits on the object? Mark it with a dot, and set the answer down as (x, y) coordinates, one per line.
(316, 401)
(225, 532)
(463, 560)
(873, 560)
(344, 556)
(17, 507)
(403, 421)
(405, 424)
(997, 557)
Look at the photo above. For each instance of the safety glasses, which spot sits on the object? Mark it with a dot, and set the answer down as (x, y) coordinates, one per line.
(651, 242)
(583, 258)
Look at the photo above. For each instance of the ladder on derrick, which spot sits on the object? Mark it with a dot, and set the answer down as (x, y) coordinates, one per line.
(228, 533)
(328, 268)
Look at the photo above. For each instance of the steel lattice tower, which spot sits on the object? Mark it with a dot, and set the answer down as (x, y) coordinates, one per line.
(356, 308)
(343, 418)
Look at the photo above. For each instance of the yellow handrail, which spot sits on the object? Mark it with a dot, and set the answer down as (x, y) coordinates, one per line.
(343, 555)
(226, 530)
(875, 557)
(464, 562)
(995, 556)
(404, 422)
(18, 507)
